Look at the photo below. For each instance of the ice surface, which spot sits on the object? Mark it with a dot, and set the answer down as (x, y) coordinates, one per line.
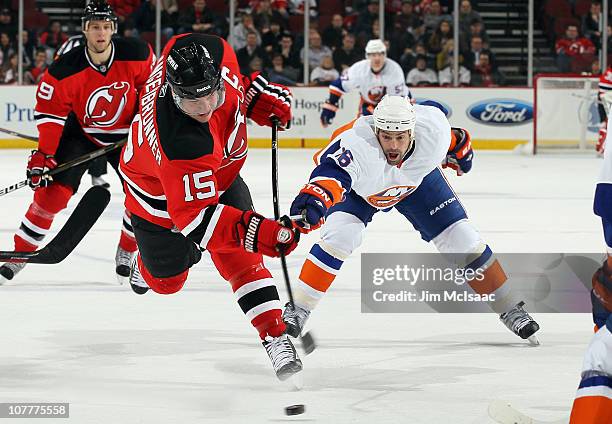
(69, 333)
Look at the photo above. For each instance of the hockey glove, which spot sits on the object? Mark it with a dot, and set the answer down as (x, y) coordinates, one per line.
(460, 155)
(601, 140)
(38, 164)
(265, 100)
(266, 236)
(328, 113)
(312, 204)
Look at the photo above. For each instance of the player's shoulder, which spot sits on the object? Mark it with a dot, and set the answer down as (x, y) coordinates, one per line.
(180, 137)
(430, 116)
(70, 63)
(393, 65)
(132, 49)
(359, 67)
(359, 136)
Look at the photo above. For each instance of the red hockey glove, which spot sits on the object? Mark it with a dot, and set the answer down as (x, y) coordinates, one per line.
(265, 100)
(38, 164)
(460, 154)
(601, 140)
(269, 237)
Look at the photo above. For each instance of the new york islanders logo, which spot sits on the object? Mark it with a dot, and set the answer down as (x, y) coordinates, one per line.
(105, 105)
(376, 93)
(390, 196)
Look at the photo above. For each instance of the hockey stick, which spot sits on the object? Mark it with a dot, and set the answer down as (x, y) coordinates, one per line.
(16, 134)
(307, 340)
(84, 216)
(504, 413)
(64, 166)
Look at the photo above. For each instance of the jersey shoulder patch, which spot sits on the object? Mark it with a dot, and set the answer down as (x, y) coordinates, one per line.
(180, 137)
(70, 63)
(131, 49)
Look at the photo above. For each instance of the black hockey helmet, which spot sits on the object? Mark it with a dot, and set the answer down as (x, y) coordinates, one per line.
(99, 10)
(192, 72)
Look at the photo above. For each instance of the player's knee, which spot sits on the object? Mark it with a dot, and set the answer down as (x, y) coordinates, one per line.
(162, 285)
(341, 234)
(54, 198)
(459, 237)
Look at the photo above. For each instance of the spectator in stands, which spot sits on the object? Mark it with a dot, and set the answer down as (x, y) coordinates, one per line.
(296, 7)
(472, 57)
(241, 30)
(467, 15)
(6, 23)
(199, 18)
(316, 50)
(250, 51)
(34, 74)
(591, 22)
(445, 75)
(400, 45)
(144, 19)
(421, 74)
(434, 16)
(332, 36)
(574, 53)
(255, 65)
(484, 75)
(325, 73)
(437, 40)
(271, 36)
(6, 48)
(29, 49)
(53, 38)
(365, 19)
(476, 30)
(445, 56)
(265, 14)
(346, 55)
(124, 9)
(281, 74)
(407, 20)
(11, 70)
(289, 52)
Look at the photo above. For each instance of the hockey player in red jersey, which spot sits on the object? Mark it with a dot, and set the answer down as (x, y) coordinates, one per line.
(181, 170)
(85, 100)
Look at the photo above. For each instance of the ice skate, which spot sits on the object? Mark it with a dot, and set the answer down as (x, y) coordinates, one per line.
(123, 259)
(283, 355)
(138, 284)
(9, 270)
(295, 318)
(521, 323)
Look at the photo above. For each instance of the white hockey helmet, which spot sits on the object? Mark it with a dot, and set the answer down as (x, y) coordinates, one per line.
(375, 46)
(395, 113)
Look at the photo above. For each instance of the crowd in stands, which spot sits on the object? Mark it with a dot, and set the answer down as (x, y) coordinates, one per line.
(268, 36)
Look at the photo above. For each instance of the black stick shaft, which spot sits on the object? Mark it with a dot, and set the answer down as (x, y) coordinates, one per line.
(16, 134)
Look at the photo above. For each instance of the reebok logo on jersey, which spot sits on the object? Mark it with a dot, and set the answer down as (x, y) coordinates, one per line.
(105, 105)
(390, 196)
(442, 206)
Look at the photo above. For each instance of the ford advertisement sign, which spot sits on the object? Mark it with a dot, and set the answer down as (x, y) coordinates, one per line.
(501, 112)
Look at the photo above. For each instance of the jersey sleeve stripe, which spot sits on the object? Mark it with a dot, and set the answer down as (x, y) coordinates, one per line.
(134, 186)
(196, 229)
(212, 224)
(154, 207)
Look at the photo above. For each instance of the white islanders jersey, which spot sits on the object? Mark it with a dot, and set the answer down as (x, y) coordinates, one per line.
(360, 164)
(371, 86)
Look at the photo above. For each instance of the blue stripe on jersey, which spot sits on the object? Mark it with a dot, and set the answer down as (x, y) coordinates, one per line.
(337, 84)
(326, 258)
(481, 260)
(329, 168)
(598, 380)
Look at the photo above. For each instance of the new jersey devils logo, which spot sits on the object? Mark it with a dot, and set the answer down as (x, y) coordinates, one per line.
(105, 105)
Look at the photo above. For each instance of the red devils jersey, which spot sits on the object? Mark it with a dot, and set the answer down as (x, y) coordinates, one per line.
(102, 99)
(175, 168)
(605, 81)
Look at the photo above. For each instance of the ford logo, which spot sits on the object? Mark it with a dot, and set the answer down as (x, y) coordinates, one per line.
(501, 112)
(435, 103)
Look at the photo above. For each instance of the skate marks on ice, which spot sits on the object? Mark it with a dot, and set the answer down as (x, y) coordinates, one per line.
(504, 413)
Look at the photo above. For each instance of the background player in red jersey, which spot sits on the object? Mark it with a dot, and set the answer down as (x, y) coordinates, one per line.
(85, 100)
(181, 170)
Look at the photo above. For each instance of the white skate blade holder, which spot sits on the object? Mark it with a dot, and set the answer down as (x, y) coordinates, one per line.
(533, 340)
(503, 413)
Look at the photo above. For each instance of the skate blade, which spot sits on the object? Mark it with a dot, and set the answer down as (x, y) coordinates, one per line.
(295, 382)
(533, 340)
(122, 280)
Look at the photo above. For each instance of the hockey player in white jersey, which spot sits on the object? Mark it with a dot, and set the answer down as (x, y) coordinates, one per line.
(391, 160)
(374, 76)
(593, 403)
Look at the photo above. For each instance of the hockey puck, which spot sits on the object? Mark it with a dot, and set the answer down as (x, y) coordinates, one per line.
(295, 410)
